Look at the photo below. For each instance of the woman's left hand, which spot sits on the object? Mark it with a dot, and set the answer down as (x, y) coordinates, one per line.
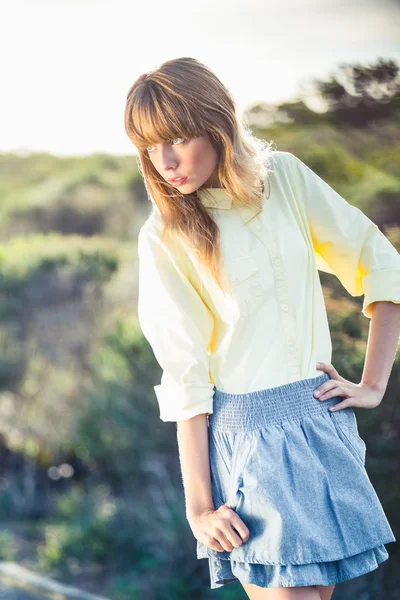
(356, 394)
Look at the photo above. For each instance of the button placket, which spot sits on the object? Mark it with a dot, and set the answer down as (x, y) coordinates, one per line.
(282, 295)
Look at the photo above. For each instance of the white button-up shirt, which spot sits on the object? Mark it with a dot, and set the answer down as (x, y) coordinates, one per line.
(273, 327)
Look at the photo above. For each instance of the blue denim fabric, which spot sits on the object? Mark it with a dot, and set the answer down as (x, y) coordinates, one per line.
(295, 474)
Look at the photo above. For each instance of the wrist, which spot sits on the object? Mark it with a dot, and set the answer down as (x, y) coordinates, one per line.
(195, 512)
(378, 387)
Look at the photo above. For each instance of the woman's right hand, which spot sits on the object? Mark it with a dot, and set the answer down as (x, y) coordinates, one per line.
(216, 528)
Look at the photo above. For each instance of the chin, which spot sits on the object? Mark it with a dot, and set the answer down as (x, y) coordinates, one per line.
(187, 189)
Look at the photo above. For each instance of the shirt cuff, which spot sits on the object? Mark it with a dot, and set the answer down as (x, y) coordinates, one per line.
(380, 286)
(184, 401)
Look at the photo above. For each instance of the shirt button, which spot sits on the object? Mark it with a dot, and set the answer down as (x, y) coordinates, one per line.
(292, 350)
(277, 262)
(257, 226)
(284, 307)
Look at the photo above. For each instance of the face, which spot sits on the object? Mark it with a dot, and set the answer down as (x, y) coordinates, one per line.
(195, 159)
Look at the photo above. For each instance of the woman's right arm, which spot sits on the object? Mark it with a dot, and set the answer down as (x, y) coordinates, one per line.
(213, 528)
(192, 437)
(179, 327)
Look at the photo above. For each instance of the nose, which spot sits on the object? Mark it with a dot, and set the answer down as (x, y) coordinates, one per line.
(168, 158)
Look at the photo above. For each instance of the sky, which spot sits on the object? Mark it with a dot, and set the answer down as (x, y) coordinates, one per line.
(68, 64)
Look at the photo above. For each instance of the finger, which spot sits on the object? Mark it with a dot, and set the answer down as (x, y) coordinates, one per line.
(224, 540)
(329, 368)
(238, 525)
(215, 545)
(232, 535)
(329, 389)
(340, 405)
(233, 540)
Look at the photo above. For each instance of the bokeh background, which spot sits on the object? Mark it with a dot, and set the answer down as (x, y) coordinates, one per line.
(91, 497)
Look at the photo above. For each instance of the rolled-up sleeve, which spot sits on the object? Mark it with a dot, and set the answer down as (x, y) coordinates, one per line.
(346, 242)
(178, 326)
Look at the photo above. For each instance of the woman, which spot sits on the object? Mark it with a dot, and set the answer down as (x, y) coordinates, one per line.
(276, 491)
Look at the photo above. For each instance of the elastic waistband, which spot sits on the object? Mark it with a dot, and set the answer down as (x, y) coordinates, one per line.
(252, 410)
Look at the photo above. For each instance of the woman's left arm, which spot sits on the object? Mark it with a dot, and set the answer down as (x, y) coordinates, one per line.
(383, 340)
(361, 256)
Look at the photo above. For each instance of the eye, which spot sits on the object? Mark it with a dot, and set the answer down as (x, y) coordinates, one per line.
(149, 151)
(178, 138)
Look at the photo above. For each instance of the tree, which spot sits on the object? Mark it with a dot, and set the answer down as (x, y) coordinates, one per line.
(358, 94)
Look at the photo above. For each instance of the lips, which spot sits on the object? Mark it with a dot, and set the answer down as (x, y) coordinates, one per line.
(176, 179)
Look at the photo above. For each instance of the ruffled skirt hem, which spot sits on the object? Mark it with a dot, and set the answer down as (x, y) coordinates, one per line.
(223, 571)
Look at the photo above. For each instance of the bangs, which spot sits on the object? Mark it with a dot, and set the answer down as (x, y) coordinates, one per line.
(157, 116)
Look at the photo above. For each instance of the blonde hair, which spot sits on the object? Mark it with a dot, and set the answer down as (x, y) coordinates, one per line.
(184, 98)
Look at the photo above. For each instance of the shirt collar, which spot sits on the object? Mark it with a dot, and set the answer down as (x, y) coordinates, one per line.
(215, 198)
(218, 198)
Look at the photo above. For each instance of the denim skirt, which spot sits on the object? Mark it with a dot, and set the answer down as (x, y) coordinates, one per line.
(295, 474)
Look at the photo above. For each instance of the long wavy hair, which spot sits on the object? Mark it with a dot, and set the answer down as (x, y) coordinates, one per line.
(184, 98)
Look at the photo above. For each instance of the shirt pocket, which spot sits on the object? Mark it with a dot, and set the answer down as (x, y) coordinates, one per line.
(247, 293)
